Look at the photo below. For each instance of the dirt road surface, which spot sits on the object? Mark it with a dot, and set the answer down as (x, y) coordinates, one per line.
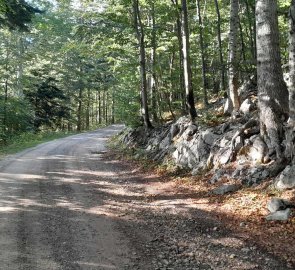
(64, 205)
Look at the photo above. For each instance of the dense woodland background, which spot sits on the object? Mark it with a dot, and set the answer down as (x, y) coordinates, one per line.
(75, 65)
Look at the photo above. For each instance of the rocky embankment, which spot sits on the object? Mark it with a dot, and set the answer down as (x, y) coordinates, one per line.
(231, 149)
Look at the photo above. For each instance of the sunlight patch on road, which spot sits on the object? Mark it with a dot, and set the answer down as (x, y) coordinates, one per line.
(8, 209)
(228, 242)
(95, 173)
(21, 176)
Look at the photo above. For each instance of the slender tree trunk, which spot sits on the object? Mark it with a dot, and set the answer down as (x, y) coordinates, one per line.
(243, 48)
(20, 68)
(5, 93)
(96, 107)
(251, 30)
(79, 113)
(140, 37)
(202, 52)
(171, 64)
(292, 63)
(222, 69)
(290, 134)
(190, 101)
(272, 90)
(99, 108)
(153, 78)
(234, 102)
(88, 110)
(113, 108)
(181, 68)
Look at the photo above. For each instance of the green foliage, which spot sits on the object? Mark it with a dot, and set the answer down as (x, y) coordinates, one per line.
(50, 105)
(26, 140)
(16, 118)
(16, 14)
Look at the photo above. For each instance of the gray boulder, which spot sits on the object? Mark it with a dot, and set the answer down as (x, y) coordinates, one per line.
(286, 180)
(279, 215)
(247, 106)
(225, 189)
(277, 204)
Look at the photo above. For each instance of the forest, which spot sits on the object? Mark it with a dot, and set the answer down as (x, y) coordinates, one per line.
(76, 65)
(190, 108)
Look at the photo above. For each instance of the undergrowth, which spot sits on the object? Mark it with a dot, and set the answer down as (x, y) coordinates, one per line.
(26, 140)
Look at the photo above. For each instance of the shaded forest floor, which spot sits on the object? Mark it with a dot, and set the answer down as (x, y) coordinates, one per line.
(243, 212)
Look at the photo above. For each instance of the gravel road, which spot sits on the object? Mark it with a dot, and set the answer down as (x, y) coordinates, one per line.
(51, 213)
(67, 205)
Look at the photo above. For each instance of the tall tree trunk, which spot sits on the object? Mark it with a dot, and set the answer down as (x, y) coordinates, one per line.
(272, 90)
(234, 102)
(99, 108)
(204, 79)
(153, 78)
(222, 69)
(140, 37)
(88, 110)
(113, 107)
(290, 134)
(252, 31)
(243, 47)
(181, 68)
(79, 113)
(190, 101)
(292, 63)
(20, 68)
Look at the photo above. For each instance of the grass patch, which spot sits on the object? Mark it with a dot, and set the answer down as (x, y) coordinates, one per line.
(27, 140)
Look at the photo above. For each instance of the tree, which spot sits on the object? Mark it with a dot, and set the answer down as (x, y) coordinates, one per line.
(190, 101)
(142, 59)
(272, 90)
(292, 62)
(16, 14)
(49, 103)
(222, 68)
(202, 52)
(234, 102)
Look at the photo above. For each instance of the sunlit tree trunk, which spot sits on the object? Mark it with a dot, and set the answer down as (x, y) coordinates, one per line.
(99, 108)
(180, 48)
(190, 101)
(202, 53)
(79, 112)
(222, 69)
(272, 90)
(153, 79)
(234, 102)
(292, 63)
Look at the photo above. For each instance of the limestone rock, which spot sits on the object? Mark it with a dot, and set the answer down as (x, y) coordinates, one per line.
(279, 215)
(286, 180)
(277, 204)
(247, 106)
(225, 189)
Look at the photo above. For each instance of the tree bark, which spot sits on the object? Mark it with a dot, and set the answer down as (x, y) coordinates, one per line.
(186, 63)
(292, 63)
(252, 30)
(142, 59)
(222, 69)
(232, 57)
(272, 90)
(79, 113)
(204, 79)
(153, 78)
(181, 68)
